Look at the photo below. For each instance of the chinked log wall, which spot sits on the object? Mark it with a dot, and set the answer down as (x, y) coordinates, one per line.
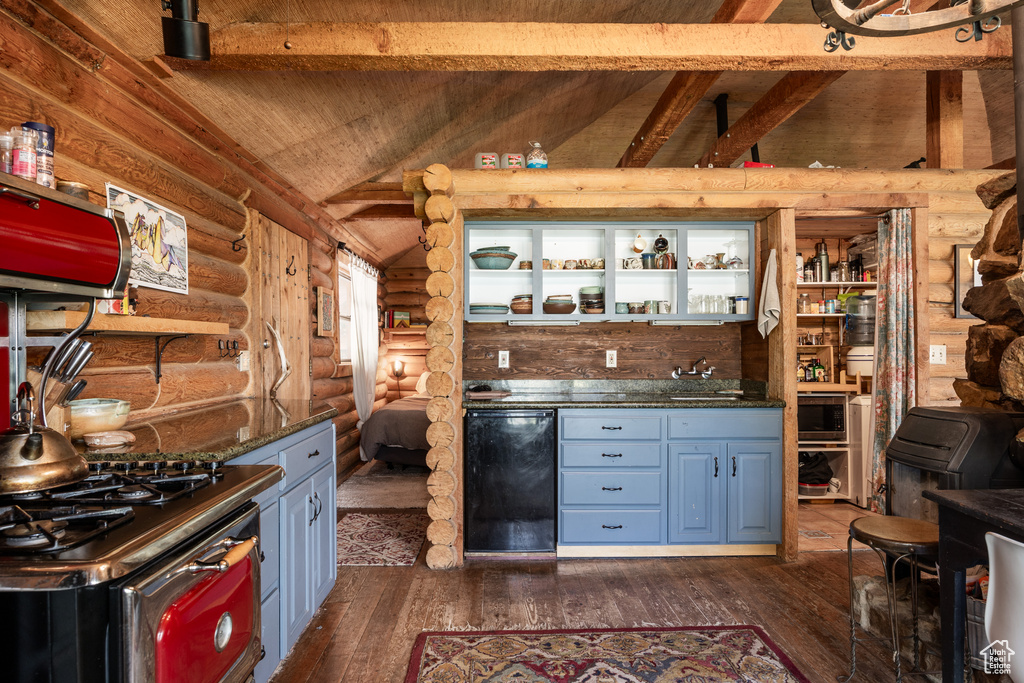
(115, 125)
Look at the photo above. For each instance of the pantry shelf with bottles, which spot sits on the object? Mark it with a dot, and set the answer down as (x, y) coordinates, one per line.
(567, 272)
(822, 307)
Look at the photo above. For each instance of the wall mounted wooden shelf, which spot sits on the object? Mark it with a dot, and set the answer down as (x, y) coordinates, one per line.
(62, 321)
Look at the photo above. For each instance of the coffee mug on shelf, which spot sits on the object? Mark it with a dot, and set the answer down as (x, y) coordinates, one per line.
(621, 307)
(636, 307)
(664, 307)
(633, 263)
(648, 261)
(569, 264)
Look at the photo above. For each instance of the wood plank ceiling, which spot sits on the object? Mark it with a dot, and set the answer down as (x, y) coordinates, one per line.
(343, 137)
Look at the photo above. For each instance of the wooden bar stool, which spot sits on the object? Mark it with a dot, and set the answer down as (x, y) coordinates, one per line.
(903, 539)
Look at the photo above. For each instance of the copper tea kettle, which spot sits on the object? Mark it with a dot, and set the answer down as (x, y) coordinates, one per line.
(34, 458)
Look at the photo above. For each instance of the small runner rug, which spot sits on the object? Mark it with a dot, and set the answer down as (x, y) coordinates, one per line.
(694, 653)
(381, 540)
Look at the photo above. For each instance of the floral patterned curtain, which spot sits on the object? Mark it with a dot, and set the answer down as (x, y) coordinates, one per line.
(895, 368)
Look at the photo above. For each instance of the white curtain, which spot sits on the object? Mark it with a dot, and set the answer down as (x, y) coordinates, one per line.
(365, 341)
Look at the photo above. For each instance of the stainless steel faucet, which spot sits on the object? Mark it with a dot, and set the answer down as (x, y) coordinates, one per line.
(705, 374)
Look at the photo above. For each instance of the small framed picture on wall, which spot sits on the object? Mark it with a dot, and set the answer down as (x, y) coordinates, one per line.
(324, 312)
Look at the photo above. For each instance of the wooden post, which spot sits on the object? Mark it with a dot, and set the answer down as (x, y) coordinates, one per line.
(945, 119)
(781, 227)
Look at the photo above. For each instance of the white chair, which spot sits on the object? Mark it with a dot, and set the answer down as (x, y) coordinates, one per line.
(1004, 609)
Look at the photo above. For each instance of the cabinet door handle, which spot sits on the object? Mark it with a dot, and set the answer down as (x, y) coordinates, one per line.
(319, 505)
(311, 519)
(314, 453)
(716, 466)
(611, 455)
(611, 488)
(612, 429)
(613, 526)
(734, 465)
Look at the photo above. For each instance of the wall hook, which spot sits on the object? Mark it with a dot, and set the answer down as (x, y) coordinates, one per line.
(235, 246)
(427, 246)
(228, 348)
(288, 269)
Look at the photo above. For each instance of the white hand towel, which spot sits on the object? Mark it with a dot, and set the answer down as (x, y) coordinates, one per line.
(768, 313)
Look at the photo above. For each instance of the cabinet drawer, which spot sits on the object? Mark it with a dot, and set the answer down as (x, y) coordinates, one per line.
(613, 426)
(611, 488)
(615, 454)
(731, 423)
(306, 456)
(603, 527)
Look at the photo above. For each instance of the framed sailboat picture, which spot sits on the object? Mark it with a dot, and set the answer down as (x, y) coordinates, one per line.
(159, 241)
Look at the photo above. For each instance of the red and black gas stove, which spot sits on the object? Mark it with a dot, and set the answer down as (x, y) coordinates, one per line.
(139, 572)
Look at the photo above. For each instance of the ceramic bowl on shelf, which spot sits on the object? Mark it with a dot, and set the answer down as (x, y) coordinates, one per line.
(97, 415)
(493, 260)
(559, 307)
(522, 306)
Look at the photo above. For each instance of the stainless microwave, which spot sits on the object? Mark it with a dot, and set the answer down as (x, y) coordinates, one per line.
(821, 417)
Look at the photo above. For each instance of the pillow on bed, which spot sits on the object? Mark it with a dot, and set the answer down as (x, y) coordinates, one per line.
(421, 383)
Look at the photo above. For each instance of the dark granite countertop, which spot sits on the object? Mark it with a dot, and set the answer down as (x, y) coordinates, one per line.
(222, 432)
(695, 393)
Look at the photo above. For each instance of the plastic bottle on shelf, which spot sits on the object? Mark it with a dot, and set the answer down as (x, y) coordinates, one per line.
(799, 269)
(536, 157)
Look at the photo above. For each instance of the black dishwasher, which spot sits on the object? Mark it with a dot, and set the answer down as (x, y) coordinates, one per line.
(509, 483)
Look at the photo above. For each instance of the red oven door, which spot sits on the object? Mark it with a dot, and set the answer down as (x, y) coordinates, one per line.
(197, 617)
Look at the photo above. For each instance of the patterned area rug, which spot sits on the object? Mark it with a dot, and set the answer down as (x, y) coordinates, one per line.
(381, 540)
(695, 654)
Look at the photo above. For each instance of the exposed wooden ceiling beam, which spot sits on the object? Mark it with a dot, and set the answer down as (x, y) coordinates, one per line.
(785, 98)
(371, 193)
(471, 46)
(687, 88)
(385, 212)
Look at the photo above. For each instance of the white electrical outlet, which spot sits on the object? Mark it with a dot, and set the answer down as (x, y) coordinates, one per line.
(611, 358)
(242, 361)
(938, 354)
(503, 359)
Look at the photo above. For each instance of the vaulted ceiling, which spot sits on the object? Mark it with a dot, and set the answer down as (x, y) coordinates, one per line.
(329, 131)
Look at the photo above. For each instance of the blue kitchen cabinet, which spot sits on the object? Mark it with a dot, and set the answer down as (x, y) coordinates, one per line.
(611, 483)
(695, 505)
(733, 483)
(755, 492)
(297, 537)
(677, 477)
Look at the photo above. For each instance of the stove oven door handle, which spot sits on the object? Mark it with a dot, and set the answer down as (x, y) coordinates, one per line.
(238, 550)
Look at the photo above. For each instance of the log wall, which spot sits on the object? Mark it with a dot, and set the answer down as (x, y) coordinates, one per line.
(405, 284)
(116, 123)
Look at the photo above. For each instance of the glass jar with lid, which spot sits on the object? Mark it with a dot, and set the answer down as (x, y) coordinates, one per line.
(23, 154)
(803, 305)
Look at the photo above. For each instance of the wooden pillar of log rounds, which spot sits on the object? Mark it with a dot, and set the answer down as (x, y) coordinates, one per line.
(444, 362)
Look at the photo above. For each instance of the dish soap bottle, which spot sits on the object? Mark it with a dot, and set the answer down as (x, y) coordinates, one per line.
(536, 158)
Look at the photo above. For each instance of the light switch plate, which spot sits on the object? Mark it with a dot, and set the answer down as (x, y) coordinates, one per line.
(503, 359)
(611, 358)
(938, 354)
(242, 361)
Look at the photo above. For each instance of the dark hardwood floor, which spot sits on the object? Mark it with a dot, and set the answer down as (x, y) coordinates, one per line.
(365, 630)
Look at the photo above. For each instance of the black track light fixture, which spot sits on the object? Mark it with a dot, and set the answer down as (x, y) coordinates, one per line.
(184, 36)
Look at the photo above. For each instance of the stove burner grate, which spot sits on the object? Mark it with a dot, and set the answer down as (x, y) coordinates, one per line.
(126, 486)
(52, 528)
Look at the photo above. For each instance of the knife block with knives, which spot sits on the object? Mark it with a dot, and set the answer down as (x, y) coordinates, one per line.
(62, 387)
